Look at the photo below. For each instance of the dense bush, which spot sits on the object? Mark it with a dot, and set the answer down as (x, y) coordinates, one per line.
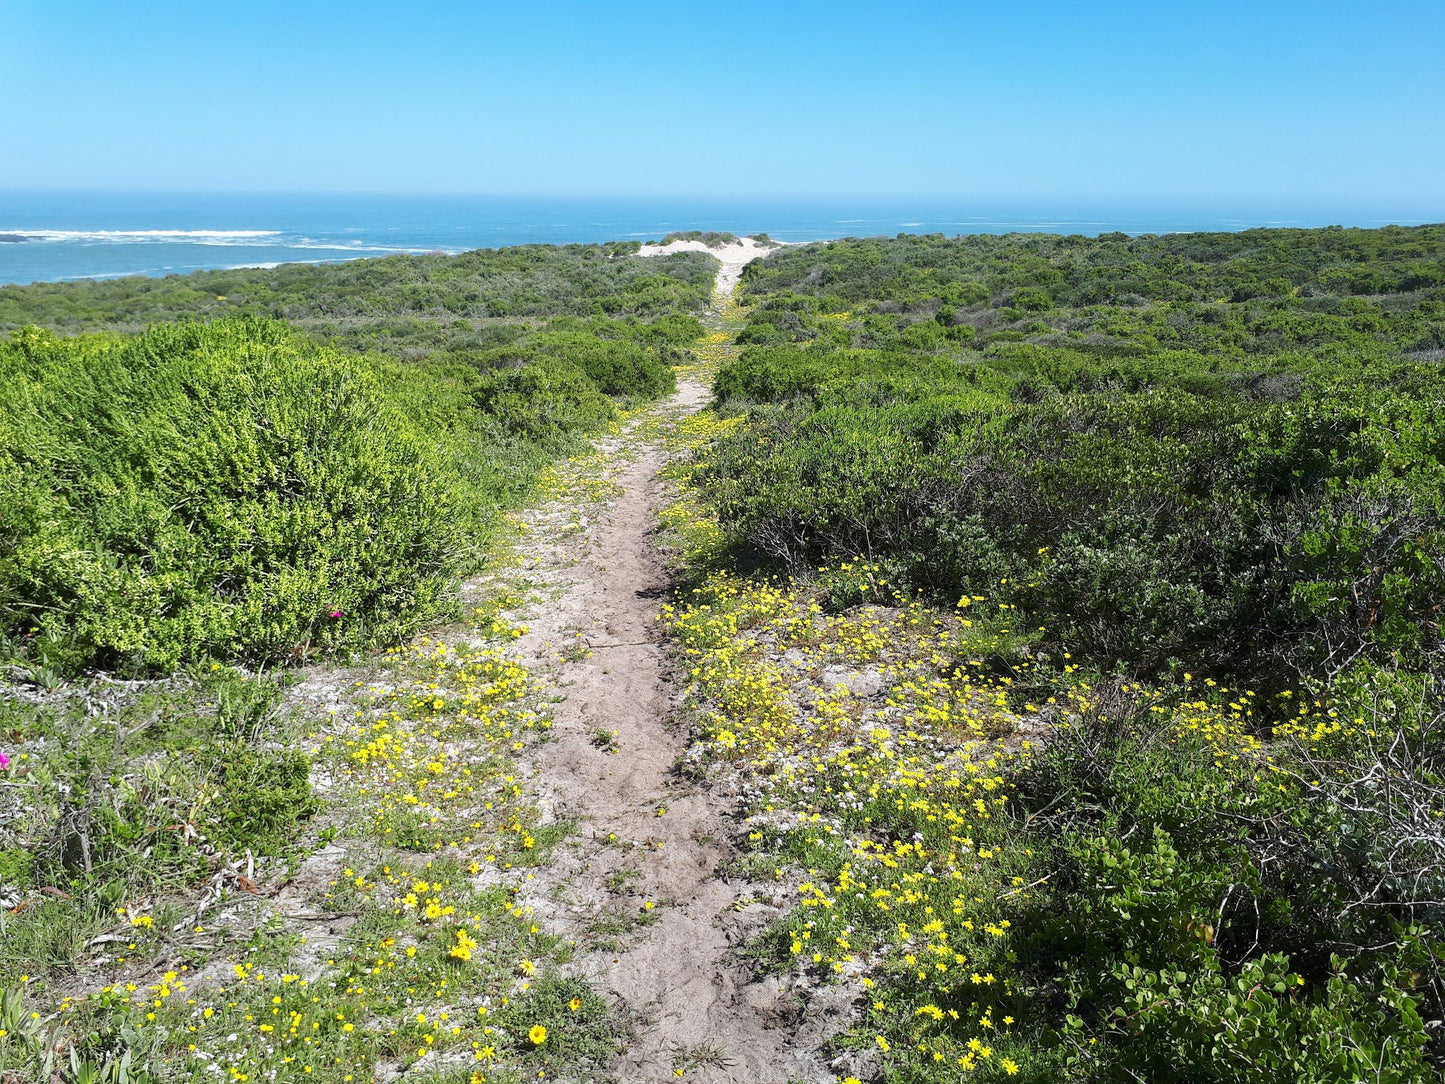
(1163, 802)
(1078, 271)
(543, 401)
(224, 488)
(1192, 471)
(404, 306)
(711, 238)
(229, 489)
(1254, 489)
(1256, 539)
(233, 489)
(617, 367)
(1290, 931)
(260, 796)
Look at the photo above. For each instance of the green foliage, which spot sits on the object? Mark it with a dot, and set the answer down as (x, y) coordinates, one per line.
(139, 801)
(617, 367)
(545, 401)
(1075, 271)
(16, 867)
(231, 490)
(405, 306)
(588, 1034)
(1163, 458)
(222, 489)
(261, 796)
(241, 491)
(1254, 487)
(1196, 907)
(711, 238)
(28, 1047)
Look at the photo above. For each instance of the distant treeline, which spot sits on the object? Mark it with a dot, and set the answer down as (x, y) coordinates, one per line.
(711, 238)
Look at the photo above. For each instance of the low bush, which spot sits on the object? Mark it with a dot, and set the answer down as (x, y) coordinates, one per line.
(544, 401)
(397, 304)
(127, 810)
(617, 367)
(711, 238)
(223, 489)
(1152, 579)
(1197, 903)
(236, 490)
(261, 796)
(1259, 516)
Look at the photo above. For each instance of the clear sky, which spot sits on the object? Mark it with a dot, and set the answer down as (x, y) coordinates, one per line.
(1250, 101)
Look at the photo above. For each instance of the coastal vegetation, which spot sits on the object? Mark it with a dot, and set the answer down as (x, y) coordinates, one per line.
(1061, 614)
(1174, 452)
(192, 504)
(1068, 610)
(711, 238)
(406, 307)
(238, 490)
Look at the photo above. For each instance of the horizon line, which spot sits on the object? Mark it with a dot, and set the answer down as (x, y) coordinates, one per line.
(1110, 199)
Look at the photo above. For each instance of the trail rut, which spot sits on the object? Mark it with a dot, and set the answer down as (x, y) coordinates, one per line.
(650, 846)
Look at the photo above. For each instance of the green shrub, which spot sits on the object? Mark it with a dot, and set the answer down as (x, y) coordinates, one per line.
(222, 489)
(16, 867)
(1194, 905)
(711, 238)
(616, 367)
(261, 797)
(397, 304)
(1144, 511)
(545, 401)
(1188, 476)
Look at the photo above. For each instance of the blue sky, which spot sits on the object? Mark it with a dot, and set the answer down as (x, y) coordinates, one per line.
(1316, 103)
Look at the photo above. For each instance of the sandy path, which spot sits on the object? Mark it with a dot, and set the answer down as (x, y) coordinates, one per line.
(646, 833)
(733, 257)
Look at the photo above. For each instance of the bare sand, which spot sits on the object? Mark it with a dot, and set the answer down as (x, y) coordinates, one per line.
(733, 257)
(647, 833)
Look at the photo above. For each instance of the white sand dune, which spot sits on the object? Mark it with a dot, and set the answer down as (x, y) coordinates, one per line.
(733, 256)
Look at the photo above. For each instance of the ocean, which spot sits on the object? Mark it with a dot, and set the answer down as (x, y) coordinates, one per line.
(51, 237)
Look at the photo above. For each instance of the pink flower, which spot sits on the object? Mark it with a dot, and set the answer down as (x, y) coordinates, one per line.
(4, 762)
(333, 613)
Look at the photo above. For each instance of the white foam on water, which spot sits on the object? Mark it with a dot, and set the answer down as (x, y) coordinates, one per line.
(142, 236)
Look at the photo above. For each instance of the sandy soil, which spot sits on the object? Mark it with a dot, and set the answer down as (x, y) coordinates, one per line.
(646, 833)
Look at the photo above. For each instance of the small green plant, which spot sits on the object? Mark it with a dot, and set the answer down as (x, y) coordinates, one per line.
(260, 797)
(562, 1022)
(622, 880)
(705, 1055)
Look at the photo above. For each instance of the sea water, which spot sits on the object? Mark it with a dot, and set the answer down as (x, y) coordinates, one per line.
(47, 237)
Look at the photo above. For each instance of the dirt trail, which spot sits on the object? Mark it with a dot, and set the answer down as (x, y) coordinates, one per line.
(646, 835)
(733, 257)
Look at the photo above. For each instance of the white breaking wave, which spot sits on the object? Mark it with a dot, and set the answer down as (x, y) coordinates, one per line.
(353, 246)
(220, 238)
(141, 236)
(269, 265)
